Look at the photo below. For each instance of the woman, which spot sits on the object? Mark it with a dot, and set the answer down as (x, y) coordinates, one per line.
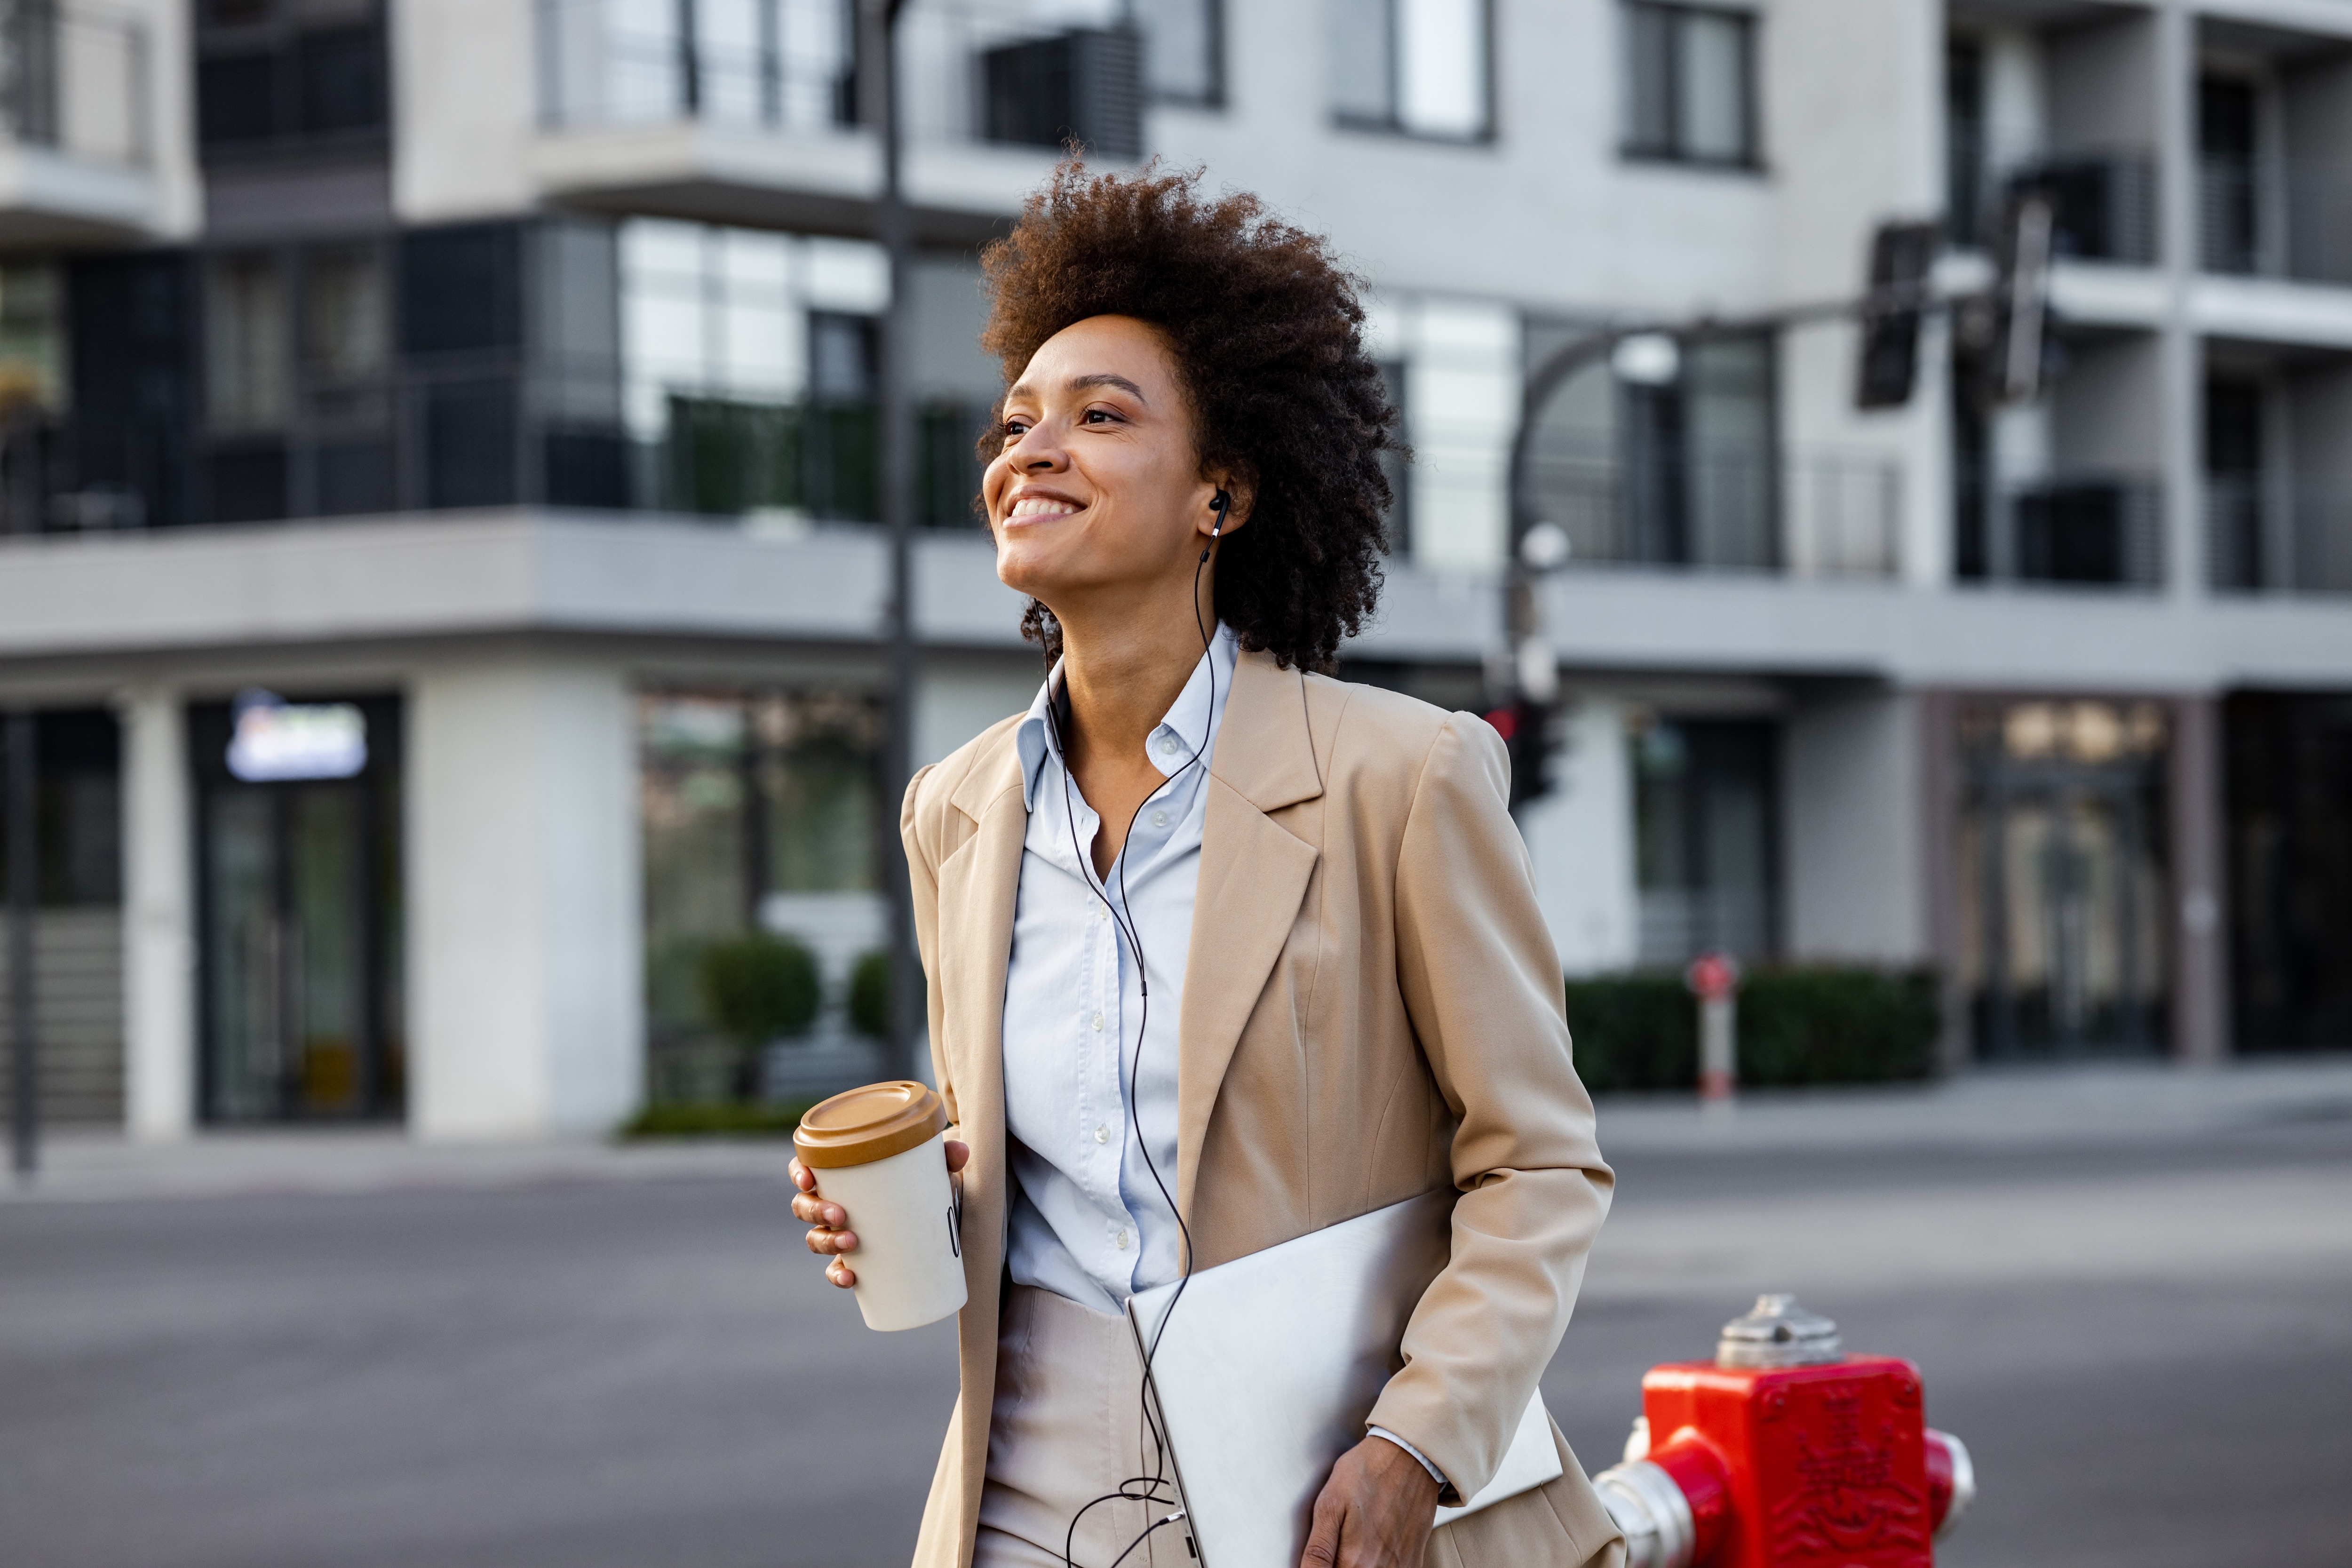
(1222, 951)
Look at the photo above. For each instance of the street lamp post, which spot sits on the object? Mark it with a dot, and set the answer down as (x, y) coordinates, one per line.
(881, 20)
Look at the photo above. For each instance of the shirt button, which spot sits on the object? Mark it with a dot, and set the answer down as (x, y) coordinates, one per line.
(1167, 745)
(1158, 819)
(1122, 1241)
(1102, 1134)
(1099, 1023)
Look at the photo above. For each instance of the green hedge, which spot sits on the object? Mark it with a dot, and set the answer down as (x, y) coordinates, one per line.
(715, 1120)
(1797, 1026)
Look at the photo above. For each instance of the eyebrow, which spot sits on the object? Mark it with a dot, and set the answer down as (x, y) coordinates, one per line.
(1081, 382)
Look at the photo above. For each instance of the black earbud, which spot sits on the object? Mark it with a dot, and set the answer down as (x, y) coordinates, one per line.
(1217, 503)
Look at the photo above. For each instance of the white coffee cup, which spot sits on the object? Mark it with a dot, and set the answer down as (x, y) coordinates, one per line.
(880, 1152)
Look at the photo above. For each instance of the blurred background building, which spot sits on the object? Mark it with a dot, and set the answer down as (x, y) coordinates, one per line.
(438, 449)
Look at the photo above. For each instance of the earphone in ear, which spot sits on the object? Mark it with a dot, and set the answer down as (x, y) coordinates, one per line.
(1217, 503)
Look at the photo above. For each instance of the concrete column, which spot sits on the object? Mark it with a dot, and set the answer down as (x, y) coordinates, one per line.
(1850, 789)
(526, 931)
(2181, 381)
(158, 943)
(2200, 975)
(1936, 731)
(1581, 840)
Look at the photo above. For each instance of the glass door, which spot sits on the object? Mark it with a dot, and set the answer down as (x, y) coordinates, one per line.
(300, 920)
(2063, 880)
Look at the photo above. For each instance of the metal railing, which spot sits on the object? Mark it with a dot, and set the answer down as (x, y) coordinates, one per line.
(2100, 531)
(1789, 510)
(774, 64)
(2103, 200)
(2265, 533)
(74, 81)
(2276, 218)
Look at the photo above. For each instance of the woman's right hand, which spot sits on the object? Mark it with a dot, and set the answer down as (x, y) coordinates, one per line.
(829, 1233)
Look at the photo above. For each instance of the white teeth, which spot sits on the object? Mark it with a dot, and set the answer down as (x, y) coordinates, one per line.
(1041, 506)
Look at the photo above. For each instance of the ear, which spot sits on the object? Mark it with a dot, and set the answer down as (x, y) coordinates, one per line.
(1238, 493)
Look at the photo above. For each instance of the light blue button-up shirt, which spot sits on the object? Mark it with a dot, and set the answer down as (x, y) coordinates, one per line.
(1089, 1223)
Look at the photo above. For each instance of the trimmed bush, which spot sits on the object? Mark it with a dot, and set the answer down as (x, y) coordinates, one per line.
(869, 995)
(1797, 1026)
(1634, 1031)
(756, 987)
(719, 1119)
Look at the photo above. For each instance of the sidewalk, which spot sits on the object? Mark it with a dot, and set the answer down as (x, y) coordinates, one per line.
(85, 1166)
(2002, 1108)
(1999, 1108)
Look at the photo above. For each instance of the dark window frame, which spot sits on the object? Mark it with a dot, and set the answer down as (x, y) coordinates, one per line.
(1631, 148)
(1392, 124)
(285, 51)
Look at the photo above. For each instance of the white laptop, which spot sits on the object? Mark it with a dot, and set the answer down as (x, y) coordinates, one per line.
(1270, 1364)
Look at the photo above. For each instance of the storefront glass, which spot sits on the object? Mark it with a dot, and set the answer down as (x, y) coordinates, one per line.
(761, 812)
(299, 884)
(2063, 878)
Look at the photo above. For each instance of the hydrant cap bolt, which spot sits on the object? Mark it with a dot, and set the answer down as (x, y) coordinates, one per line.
(1778, 1332)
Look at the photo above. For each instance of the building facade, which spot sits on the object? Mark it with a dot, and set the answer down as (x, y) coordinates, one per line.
(438, 453)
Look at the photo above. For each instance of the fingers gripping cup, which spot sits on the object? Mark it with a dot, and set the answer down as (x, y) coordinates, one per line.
(880, 1152)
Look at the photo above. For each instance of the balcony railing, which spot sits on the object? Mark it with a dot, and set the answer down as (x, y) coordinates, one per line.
(771, 64)
(2095, 531)
(1013, 71)
(1805, 513)
(2102, 201)
(74, 82)
(2282, 535)
(2275, 218)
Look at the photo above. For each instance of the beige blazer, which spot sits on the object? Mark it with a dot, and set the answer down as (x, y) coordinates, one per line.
(1372, 1009)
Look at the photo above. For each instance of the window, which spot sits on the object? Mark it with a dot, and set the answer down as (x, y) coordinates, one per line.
(1690, 93)
(310, 74)
(1420, 66)
(1706, 859)
(762, 809)
(246, 361)
(1183, 53)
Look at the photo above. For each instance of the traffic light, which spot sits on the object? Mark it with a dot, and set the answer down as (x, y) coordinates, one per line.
(1526, 727)
(1900, 256)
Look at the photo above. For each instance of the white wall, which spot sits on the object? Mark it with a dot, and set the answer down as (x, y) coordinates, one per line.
(525, 922)
(1853, 812)
(465, 103)
(963, 694)
(158, 932)
(1581, 838)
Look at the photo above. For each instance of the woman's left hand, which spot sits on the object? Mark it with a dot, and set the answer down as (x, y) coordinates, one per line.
(1375, 1511)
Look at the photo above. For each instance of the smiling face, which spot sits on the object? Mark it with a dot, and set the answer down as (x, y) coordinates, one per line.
(1096, 500)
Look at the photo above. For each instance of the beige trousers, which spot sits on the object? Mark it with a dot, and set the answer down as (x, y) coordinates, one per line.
(1066, 1427)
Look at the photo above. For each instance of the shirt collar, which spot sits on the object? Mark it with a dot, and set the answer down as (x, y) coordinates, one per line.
(1191, 720)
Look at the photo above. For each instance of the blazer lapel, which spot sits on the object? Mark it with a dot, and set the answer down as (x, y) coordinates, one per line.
(978, 884)
(1253, 877)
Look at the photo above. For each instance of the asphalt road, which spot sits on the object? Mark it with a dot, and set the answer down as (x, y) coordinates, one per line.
(2148, 1348)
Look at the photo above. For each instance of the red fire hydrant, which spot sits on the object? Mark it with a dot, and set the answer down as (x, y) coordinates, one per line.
(1784, 1452)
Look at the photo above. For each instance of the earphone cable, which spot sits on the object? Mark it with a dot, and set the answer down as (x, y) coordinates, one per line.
(1122, 916)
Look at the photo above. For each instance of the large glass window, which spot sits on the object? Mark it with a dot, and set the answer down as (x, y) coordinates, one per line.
(761, 812)
(1706, 861)
(2289, 771)
(274, 76)
(77, 921)
(1420, 67)
(750, 368)
(1689, 86)
(2062, 880)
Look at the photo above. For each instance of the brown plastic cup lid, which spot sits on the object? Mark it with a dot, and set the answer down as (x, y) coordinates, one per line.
(869, 1124)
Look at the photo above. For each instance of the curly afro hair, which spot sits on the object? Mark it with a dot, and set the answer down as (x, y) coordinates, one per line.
(1267, 335)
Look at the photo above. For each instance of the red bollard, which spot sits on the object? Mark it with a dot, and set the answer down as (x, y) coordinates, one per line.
(1784, 1452)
